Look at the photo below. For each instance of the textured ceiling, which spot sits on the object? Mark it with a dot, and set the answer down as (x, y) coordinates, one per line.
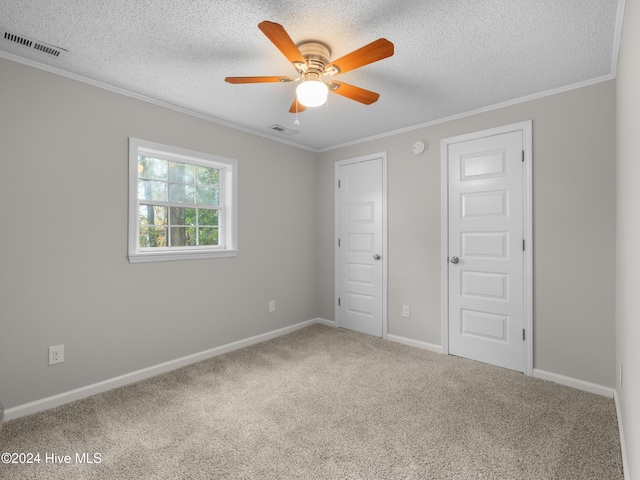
(451, 56)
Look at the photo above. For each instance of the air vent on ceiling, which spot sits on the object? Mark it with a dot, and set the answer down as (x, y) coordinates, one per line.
(32, 44)
(281, 129)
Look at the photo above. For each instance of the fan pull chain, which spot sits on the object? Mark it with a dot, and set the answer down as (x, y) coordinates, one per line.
(296, 121)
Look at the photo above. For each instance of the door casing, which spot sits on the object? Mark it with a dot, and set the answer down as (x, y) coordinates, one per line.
(338, 164)
(527, 193)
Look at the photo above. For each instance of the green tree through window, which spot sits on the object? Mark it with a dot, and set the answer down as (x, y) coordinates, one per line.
(181, 203)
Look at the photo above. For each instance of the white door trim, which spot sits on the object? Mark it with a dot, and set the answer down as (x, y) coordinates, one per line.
(527, 193)
(338, 164)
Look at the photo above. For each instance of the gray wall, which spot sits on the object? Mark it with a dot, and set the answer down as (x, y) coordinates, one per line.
(628, 236)
(574, 227)
(65, 277)
(64, 274)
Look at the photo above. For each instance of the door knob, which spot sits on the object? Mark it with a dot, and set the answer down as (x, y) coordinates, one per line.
(376, 256)
(455, 259)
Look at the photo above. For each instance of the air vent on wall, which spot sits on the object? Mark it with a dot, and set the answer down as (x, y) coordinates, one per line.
(281, 129)
(32, 44)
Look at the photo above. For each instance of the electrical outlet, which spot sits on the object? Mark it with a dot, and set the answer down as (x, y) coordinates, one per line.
(406, 311)
(620, 374)
(272, 306)
(56, 354)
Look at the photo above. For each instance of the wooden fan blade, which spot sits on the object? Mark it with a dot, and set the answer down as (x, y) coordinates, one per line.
(281, 39)
(377, 50)
(297, 108)
(257, 79)
(354, 93)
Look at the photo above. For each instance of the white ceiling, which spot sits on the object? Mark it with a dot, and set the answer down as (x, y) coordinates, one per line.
(451, 56)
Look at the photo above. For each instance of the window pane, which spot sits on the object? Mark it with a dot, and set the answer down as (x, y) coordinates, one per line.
(184, 204)
(208, 236)
(181, 172)
(182, 216)
(153, 236)
(150, 190)
(152, 215)
(183, 236)
(179, 192)
(207, 195)
(152, 168)
(208, 217)
(208, 176)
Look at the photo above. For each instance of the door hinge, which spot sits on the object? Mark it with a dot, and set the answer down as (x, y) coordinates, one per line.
(523, 155)
(523, 334)
(338, 183)
(338, 301)
(523, 244)
(338, 242)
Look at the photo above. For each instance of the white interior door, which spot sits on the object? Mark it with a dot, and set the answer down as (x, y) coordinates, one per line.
(486, 244)
(360, 245)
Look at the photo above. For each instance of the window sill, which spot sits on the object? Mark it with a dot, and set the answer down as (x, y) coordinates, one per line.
(165, 256)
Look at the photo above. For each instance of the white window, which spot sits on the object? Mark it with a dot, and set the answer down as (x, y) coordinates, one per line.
(182, 204)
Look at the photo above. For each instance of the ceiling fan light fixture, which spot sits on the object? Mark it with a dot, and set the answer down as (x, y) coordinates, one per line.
(312, 92)
(311, 60)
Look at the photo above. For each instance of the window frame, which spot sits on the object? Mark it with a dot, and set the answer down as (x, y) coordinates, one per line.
(228, 211)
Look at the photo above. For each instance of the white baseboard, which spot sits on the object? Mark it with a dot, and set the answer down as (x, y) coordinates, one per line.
(87, 391)
(415, 343)
(328, 323)
(573, 382)
(623, 445)
(83, 392)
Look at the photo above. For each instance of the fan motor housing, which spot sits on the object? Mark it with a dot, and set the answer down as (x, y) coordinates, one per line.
(316, 54)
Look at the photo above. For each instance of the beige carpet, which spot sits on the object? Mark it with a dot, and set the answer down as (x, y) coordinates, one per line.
(326, 403)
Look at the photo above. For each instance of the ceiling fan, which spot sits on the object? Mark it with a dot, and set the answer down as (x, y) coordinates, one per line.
(311, 60)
